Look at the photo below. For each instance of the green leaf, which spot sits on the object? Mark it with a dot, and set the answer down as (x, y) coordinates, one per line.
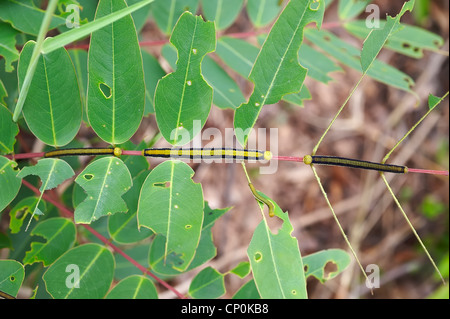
(116, 89)
(183, 98)
(104, 181)
(153, 72)
(79, 59)
(25, 16)
(222, 12)
(8, 131)
(315, 263)
(20, 211)
(207, 284)
(433, 101)
(134, 287)
(350, 56)
(206, 249)
(167, 12)
(8, 45)
(53, 96)
(227, 93)
(276, 261)
(123, 227)
(60, 236)
(83, 272)
(171, 204)
(75, 34)
(51, 171)
(262, 12)
(11, 276)
(349, 9)
(318, 64)
(276, 71)
(237, 54)
(378, 37)
(409, 40)
(241, 270)
(247, 291)
(9, 183)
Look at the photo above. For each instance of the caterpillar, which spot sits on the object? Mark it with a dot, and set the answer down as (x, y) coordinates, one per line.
(207, 153)
(84, 151)
(348, 162)
(262, 200)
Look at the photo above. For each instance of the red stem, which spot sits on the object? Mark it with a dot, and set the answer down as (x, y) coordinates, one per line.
(427, 171)
(68, 213)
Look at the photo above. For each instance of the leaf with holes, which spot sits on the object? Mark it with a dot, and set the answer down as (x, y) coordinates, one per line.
(222, 12)
(9, 183)
(60, 236)
(409, 40)
(8, 130)
(21, 210)
(11, 276)
(227, 93)
(276, 71)
(171, 204)
(104, 181)
(134, 287)
(167, 12)
(377, 38)
(315, 263)
(83, 272)
(207, 284)
(276, 261)
(350, 56)
(53, 96)
(116, 90)
(183, 98)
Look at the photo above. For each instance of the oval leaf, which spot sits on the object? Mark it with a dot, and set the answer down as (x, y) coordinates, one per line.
(183, 98)
(53, 97)
(104, 181)
(85, 271)
(276, 261)
(171, 204)
(116, 90)
(315, 263)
